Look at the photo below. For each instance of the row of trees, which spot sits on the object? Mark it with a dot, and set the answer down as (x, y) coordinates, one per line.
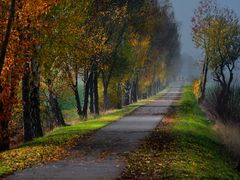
(128, 47)
(20, 22)
(217, 32)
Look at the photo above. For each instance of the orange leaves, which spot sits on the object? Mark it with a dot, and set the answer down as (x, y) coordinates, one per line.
(25, 157)
(30, 11)
(197, 88)
(28, 18)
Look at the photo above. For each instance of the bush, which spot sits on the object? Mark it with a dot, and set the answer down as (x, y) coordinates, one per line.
(230, 134)
(197, 88)
(230, 111)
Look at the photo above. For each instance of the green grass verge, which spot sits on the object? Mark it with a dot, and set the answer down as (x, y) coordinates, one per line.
(53, 145)
(61, 135)
(186, 148)
(200, 150)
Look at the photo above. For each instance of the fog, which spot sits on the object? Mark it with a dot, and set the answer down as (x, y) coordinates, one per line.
(184, 10)
(190, 70)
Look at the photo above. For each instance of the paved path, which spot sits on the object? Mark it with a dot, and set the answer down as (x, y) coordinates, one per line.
(101, 156)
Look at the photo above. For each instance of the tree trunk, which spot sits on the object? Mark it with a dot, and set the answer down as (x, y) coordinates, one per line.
(134, 92)
(96, 96)
(7, 34)
(204, 80)
(4, 135)
(91, 91)
(119, 94)
(78, 102)
(105, 93)
(26, 108)
(4, 132)
(86, 96)
(49, 113)
(35, 99)
(126, 98)
(155, 88)
(105, 99)
(149, 91)
(56, 110)
(221, 102)
(159, 86)
(127, 94)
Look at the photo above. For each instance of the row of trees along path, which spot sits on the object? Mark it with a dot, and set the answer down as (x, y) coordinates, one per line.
(127, 50)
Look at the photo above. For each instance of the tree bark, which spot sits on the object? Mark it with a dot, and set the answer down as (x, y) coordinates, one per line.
(86, 95)
(127, 94)
(35, 99)
(149, 91)
(7, 34)
(78, 102)
(26, 108)
(56, 110)
(77, 95)
(4, 132)
(96, 96)
(105, 99)
(105, 93)
(223, 97)
(49, 113)
(119, 94)
(204, 79)
(134, 91)
(4, 135)
(91, 91)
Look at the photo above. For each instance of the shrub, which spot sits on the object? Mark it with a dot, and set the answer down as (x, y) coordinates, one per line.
(230, 136)
(197, 88)
(230, 111)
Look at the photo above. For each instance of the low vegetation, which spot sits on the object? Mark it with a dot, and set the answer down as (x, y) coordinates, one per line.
(227, 123)
(55, 145)
(230, 113)
(184, 145)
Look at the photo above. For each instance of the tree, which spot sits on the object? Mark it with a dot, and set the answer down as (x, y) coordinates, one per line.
(217, 31)
(77, 42)
(141, 58)
(110, 16)
(225, 51)
(8, 32)
(17, 53)
(4, 134)
(201, 23)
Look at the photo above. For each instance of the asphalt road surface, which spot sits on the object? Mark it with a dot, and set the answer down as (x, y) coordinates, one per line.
(101, 156)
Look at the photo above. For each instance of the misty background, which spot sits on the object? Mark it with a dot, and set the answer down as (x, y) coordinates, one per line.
(184, 11)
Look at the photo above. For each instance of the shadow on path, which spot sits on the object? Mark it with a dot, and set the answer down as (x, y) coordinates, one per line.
(101, 155)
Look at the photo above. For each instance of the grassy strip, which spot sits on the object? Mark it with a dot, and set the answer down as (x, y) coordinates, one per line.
(54, 145)
(182, 147)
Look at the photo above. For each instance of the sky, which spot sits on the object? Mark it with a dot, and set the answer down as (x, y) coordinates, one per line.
(184, 10)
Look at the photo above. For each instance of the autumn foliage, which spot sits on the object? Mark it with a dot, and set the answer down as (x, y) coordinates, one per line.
(104, 54)
(26, 24)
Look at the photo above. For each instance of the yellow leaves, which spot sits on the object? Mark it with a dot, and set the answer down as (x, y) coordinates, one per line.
(43, 85)
(197, 88)
(141, 46)
(25, 157)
